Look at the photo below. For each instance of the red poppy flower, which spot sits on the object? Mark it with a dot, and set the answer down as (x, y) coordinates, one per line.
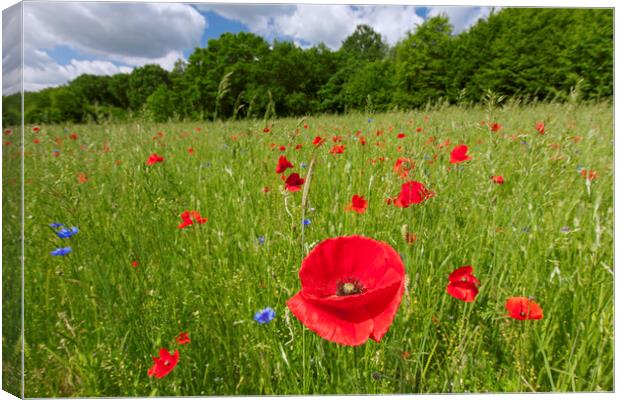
(498, 179)
(190, 151)
(445, 143)
(523, 308)
(183, 338)
(318, 141)
(73, 136)
(305, 126)
(8, 132)
(293, 182)
(154, 159)
(418, 130)
(283, 165)
(266, 129)
(337, 139)
(82, 177)
(362, 140)
(298, 147)
(164, 364)
(403, 166)
(338, 149)
(282, 148)
(351, 288)
(463, 284)
(358, 204)
(540, 127)
(459, 154)
(589, 174)
(189, 217)
(495, 127)
(134, 264)
(7, 143)
(36, 129)
(266, 189)
(412, 192)
(379, 132)
(401, 135)
(36, 141)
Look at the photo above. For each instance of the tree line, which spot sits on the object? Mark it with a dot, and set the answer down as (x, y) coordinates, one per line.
(531, 53)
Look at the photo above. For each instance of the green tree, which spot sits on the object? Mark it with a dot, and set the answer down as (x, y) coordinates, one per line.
(364, 44)
(422, 59)
(143, 81)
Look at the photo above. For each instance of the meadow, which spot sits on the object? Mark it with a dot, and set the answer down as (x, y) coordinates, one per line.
(134, 280)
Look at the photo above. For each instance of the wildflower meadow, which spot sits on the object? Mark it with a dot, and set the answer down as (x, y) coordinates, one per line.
(444, 250)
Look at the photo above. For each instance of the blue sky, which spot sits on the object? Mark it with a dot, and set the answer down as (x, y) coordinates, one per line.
(72, 38)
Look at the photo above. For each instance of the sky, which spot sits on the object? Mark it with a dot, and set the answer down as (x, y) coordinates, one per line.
(66, 39)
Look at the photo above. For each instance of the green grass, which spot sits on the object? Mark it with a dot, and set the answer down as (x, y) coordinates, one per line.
(93, 322)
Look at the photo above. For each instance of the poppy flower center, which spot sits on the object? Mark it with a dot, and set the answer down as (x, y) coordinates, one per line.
(349, 287)
(166, 363)
(522, 313)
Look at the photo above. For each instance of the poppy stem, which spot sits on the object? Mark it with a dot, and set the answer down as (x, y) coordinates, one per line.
(304, 200)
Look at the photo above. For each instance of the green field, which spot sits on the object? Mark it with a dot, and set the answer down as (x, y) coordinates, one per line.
(93, 321)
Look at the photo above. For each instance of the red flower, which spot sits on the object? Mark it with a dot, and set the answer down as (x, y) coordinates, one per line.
(154, 159)
(318, 141)
(403, 166)
(540, 127)
(283, 165)
(589, 174)
(337, 139)
(498, 179)
(190, 151)
(305, 126)
(418, 129)
(282, 148)
(73, 136)
(463, 285)
(362, 140)
(164, 364)
(401, 135)
(351, 288)
(36, 141)
(36, 129)
(266, 129)
(495, 127)
(183, 338)
(445, 143)
(412, 192)
(8, 132)
(523, 308)
(266, 189)
(134, 264)
(459, 154)
(82, 178)
(293, 182)
(338, 149)
(298, 147)
(189, 217)
(358, 204)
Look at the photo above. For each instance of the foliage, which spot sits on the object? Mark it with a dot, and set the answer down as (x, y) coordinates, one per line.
(525, 53)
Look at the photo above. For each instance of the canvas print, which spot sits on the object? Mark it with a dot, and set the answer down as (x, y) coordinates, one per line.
(217, 199)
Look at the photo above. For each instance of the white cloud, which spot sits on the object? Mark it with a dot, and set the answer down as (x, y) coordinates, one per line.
(114, 30)
(11, 50)
(133, 34)
(330, 24)
(461, 18)
(44, 72)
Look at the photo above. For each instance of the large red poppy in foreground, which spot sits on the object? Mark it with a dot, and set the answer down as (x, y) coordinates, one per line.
(350, 289)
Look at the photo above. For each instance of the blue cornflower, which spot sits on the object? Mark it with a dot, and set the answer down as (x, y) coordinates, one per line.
(61, 251)
(56, 225)
(370, 120)
(306, 222)
(261, 240)
(304, 165)
(67, 233)
(264, 316)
